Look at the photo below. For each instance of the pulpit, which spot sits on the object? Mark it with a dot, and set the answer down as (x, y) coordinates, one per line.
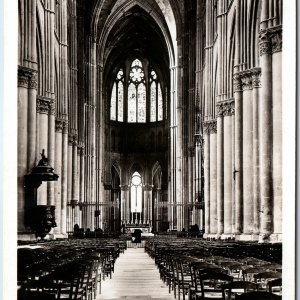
(40, 218)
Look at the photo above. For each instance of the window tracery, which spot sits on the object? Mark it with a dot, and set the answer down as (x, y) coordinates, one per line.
(136, 102)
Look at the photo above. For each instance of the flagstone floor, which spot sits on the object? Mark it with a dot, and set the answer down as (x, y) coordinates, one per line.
(136, 277)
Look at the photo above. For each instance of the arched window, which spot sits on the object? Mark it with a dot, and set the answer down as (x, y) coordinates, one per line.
(133, 105)
(136, 93)
(117, 98)
(156, 100)
(136, 193)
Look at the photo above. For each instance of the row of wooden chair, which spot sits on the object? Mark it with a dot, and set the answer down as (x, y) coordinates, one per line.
(195, 275)
(79, 276)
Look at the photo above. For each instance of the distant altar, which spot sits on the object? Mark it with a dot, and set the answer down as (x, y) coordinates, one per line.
(145, 228)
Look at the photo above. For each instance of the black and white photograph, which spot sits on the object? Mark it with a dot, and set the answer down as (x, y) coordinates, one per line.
(150, 150)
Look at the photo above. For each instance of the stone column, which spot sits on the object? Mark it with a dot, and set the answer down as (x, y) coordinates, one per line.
(220, 170)
(32, 117)
(64, 178)
(146, 204)
(51, 149)
(265, 135)
(81, 182)
(246, 78)
(69, 178)
(43, 111)
(255, 103)
(126, 206)
(238, 169)
(207, 179)
(277, 127)
(58, 170)
(226, 108)
(74, 176)
(213, 176)
(23, 79)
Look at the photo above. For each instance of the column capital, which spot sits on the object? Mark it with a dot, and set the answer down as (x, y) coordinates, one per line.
(210, 126)
(27, 77)
(256, 77)
(225, 108)
(72, 139)
(58, 125)
(65, 126)
(237, 82)
(270, 40)
(42, 105)
(246, 78)
(33, 81)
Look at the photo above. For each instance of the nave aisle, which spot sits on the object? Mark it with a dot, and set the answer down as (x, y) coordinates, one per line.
(136, 277)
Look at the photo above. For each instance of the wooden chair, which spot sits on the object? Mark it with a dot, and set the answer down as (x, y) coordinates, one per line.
(230, 290)
(211, 285)
(184, 277)
(263, 278)
(258, 295)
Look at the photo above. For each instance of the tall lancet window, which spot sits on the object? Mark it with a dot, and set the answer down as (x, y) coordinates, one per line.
(156, 99)
(117, 98)
(136, 192)
(136, 93)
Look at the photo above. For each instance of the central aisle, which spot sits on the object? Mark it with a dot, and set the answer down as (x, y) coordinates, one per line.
(136, 277)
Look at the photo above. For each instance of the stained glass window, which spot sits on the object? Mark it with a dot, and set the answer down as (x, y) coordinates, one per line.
(120, 101)
(113, 105)
(159, 104)
(136, 100)
(141, 103)
(156, 99)
(136, 93)
(136, 192)
(117, 98)
(153, 102)
(131, 103)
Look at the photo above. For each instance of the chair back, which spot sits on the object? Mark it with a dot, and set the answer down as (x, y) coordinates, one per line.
(211, 284)
(230, 290)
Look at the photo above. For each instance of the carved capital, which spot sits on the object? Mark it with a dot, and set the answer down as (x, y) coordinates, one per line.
(58, 125)
(65, 126)
(270, 40)
(75, 140)
(237, 83)
(33, 81)
(246, 78)
(210, 127)
(70, 139)
(27, 77)
(23, 77)
(42, 105)
(276, 38)
(256, 77)
(52, 107)
(264, 43)
(225, 108)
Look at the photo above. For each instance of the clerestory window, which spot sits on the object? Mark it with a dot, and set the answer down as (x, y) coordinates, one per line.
(134, 106)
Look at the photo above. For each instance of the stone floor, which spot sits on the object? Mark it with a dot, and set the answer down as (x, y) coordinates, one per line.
(136, 277)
